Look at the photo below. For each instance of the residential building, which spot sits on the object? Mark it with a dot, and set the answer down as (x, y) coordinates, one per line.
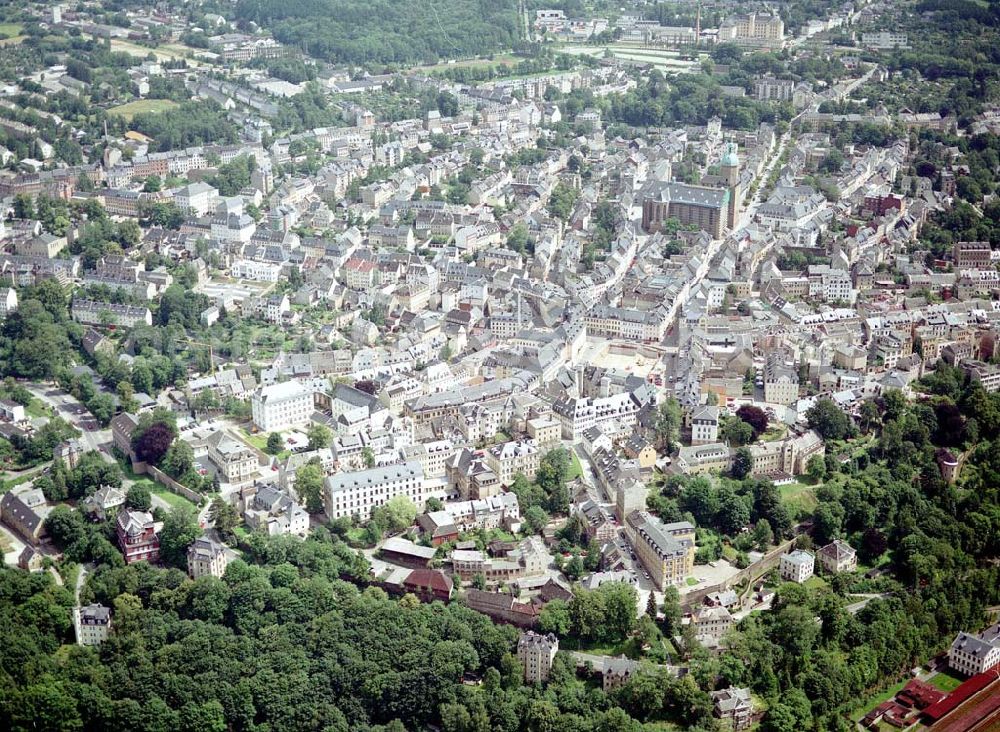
(359, 493)
(536, 652)
(92, 624)
(103, 503)
(972, 254)
(206, 557)
(666, 551)
(797, 566)
(138, 536)
(90, 312)
(973, 654)
(8, 301)
(884, 40)
(704, 425)
(236, 462)
(21, 518)
(271, 509)
(617, 671)
(282, 406)
(838, 556)
(781, 381)
(733, 706)
(510, 458)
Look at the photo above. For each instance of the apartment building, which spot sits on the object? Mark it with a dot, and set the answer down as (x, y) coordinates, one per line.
(92, 624)
(510, 458)
(281, 406)
(666, 551)
(236, 462)
(91, 312)
(359, 493)
(781, 381)
(797, 566)
(138, 536)
(884, 40)
(706, 208)
(206, 558)
(972, 254)
(196, 199)
(838, 556)
(973, 654)
(535, 653)
(705, 425)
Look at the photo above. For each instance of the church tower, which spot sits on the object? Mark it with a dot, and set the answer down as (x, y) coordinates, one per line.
(731, 176)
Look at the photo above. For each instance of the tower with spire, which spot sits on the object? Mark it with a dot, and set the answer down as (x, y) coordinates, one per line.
(730, 169)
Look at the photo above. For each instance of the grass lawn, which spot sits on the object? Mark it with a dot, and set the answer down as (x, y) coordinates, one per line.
(629, 647)
(873, 701)
(11, 29)
(141, 106)
(356, 537)
(171, 499)
(798, 496)
(815, 583)
(945, 681)
(575, 469)
(5, 545)
(6, 485)
(774, 432)
(38, 409)
(691, 581)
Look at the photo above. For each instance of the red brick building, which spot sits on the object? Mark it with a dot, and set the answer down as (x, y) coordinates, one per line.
(138, 536)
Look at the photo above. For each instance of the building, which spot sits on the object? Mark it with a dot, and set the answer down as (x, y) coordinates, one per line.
(138, 536)
(21, 518)
(536, 652)
(972, 254)
(103, 502)
(236, 462)
(706, 208)
(92, 624)
(269, 508)
(753, 29)
(91, 312)
(357, 494)
(797, 566)
(666, 551)
(734, 707)
(705, 425)
(206, 557)
(11, 411)
(8, 301)
(711, 623)
(617, 671)
(838, 556)
(973, 654)
(511, 458)
(781, 381)
(281, 406)
(884, 40)
(196, 199)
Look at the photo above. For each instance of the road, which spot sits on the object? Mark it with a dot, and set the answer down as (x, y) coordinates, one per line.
(91, 435)
(80, 580)
(855, 607)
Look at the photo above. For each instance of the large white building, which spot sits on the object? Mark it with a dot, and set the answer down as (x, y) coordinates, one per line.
(196, 199)
(359, 493)
(536, 652)
(797, 566)
(973, 654)
(281, 406)
(92, 624)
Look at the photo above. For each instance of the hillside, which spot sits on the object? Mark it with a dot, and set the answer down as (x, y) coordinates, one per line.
(387, 31)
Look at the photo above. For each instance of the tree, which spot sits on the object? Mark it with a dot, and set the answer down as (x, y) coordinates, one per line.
(536, 519)
(64, 526)
(733, 513)
(151, 439)
(180, 529)
(668, 422)
(224, 515)
(102, 406)
(309, 486)
(755, 417)
(816, 468)
(138, 498)
(368, 456)
(274, 444)
(762, 535)
(400, 512)
(319, 436)
(179, 460)
(829, 420)
(737, 432)
(742, 463)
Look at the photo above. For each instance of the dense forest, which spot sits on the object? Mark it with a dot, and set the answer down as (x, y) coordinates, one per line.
(386, 31)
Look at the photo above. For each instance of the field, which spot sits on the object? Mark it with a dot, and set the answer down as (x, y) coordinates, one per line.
(166, 52)
(798, 497)
(141, 106)
(945, 681)
(660, 58)
(171, 499)
(873, 701)
(10, 34)
(575, 469)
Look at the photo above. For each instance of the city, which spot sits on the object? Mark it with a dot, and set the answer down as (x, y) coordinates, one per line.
(512, 366)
